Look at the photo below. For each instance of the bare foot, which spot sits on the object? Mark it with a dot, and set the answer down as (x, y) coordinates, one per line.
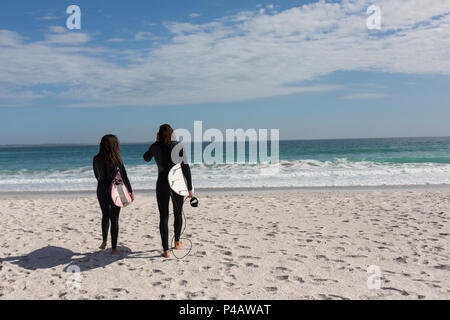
(115, 251)
(166, 254)
(103, 246)
(178, 245)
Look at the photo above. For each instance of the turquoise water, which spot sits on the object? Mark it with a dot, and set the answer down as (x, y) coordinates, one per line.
(352, 162)
(392, 150)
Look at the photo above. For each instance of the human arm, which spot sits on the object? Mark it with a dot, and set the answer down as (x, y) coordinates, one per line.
(186, 172)
(99, 169)
(126, 181)
(149, 154)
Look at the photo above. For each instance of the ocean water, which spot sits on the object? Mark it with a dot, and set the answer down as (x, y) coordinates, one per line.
(312, 163)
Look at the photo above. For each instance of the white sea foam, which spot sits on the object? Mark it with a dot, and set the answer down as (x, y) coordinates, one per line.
(298, 173)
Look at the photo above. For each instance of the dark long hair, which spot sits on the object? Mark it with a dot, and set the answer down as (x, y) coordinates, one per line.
(165, 134)
(110, 150)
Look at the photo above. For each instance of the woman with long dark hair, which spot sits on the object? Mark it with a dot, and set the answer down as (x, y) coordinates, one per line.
(161, 150)
(106, 165)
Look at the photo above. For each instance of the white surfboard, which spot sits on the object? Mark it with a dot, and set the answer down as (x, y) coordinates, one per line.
(177, 181)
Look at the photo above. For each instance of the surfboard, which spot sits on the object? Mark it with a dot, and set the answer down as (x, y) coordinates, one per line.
(177, 181)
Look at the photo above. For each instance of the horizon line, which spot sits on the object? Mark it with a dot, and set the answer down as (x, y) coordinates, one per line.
(76, 144)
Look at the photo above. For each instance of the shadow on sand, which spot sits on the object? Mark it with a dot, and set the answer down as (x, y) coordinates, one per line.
(50, 257)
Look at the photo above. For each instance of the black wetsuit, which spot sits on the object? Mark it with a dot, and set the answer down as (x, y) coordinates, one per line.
(162, 155)
(105, 174)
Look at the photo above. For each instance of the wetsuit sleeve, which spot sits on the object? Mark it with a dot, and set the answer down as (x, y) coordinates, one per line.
(149, 154)
(187, 175)
(125, 179)
(98, 169)
(186, 170)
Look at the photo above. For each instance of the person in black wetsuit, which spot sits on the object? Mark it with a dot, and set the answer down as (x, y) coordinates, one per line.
(161, 150)
(106, 165)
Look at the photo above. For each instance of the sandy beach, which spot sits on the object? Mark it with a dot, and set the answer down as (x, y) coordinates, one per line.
(245, 245)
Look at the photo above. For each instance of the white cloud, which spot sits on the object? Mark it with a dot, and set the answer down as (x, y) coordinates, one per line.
(69, 38)
(57, 29)
(10, 39)
(235, 58)
(142, 36)
(49, 17)
(116, 40)
(194, 15)
(365, 95)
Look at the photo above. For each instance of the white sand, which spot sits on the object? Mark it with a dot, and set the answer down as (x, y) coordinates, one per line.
(272, 245)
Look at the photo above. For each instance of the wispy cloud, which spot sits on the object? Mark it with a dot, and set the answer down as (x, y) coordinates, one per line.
(116, 40)
(142, 36)
(50, 17)
(195, 15)
(249, 55)
(365, 95)
(61, 36)
(57, 29)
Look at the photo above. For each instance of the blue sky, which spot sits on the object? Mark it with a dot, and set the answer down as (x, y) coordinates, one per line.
(311, 69)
